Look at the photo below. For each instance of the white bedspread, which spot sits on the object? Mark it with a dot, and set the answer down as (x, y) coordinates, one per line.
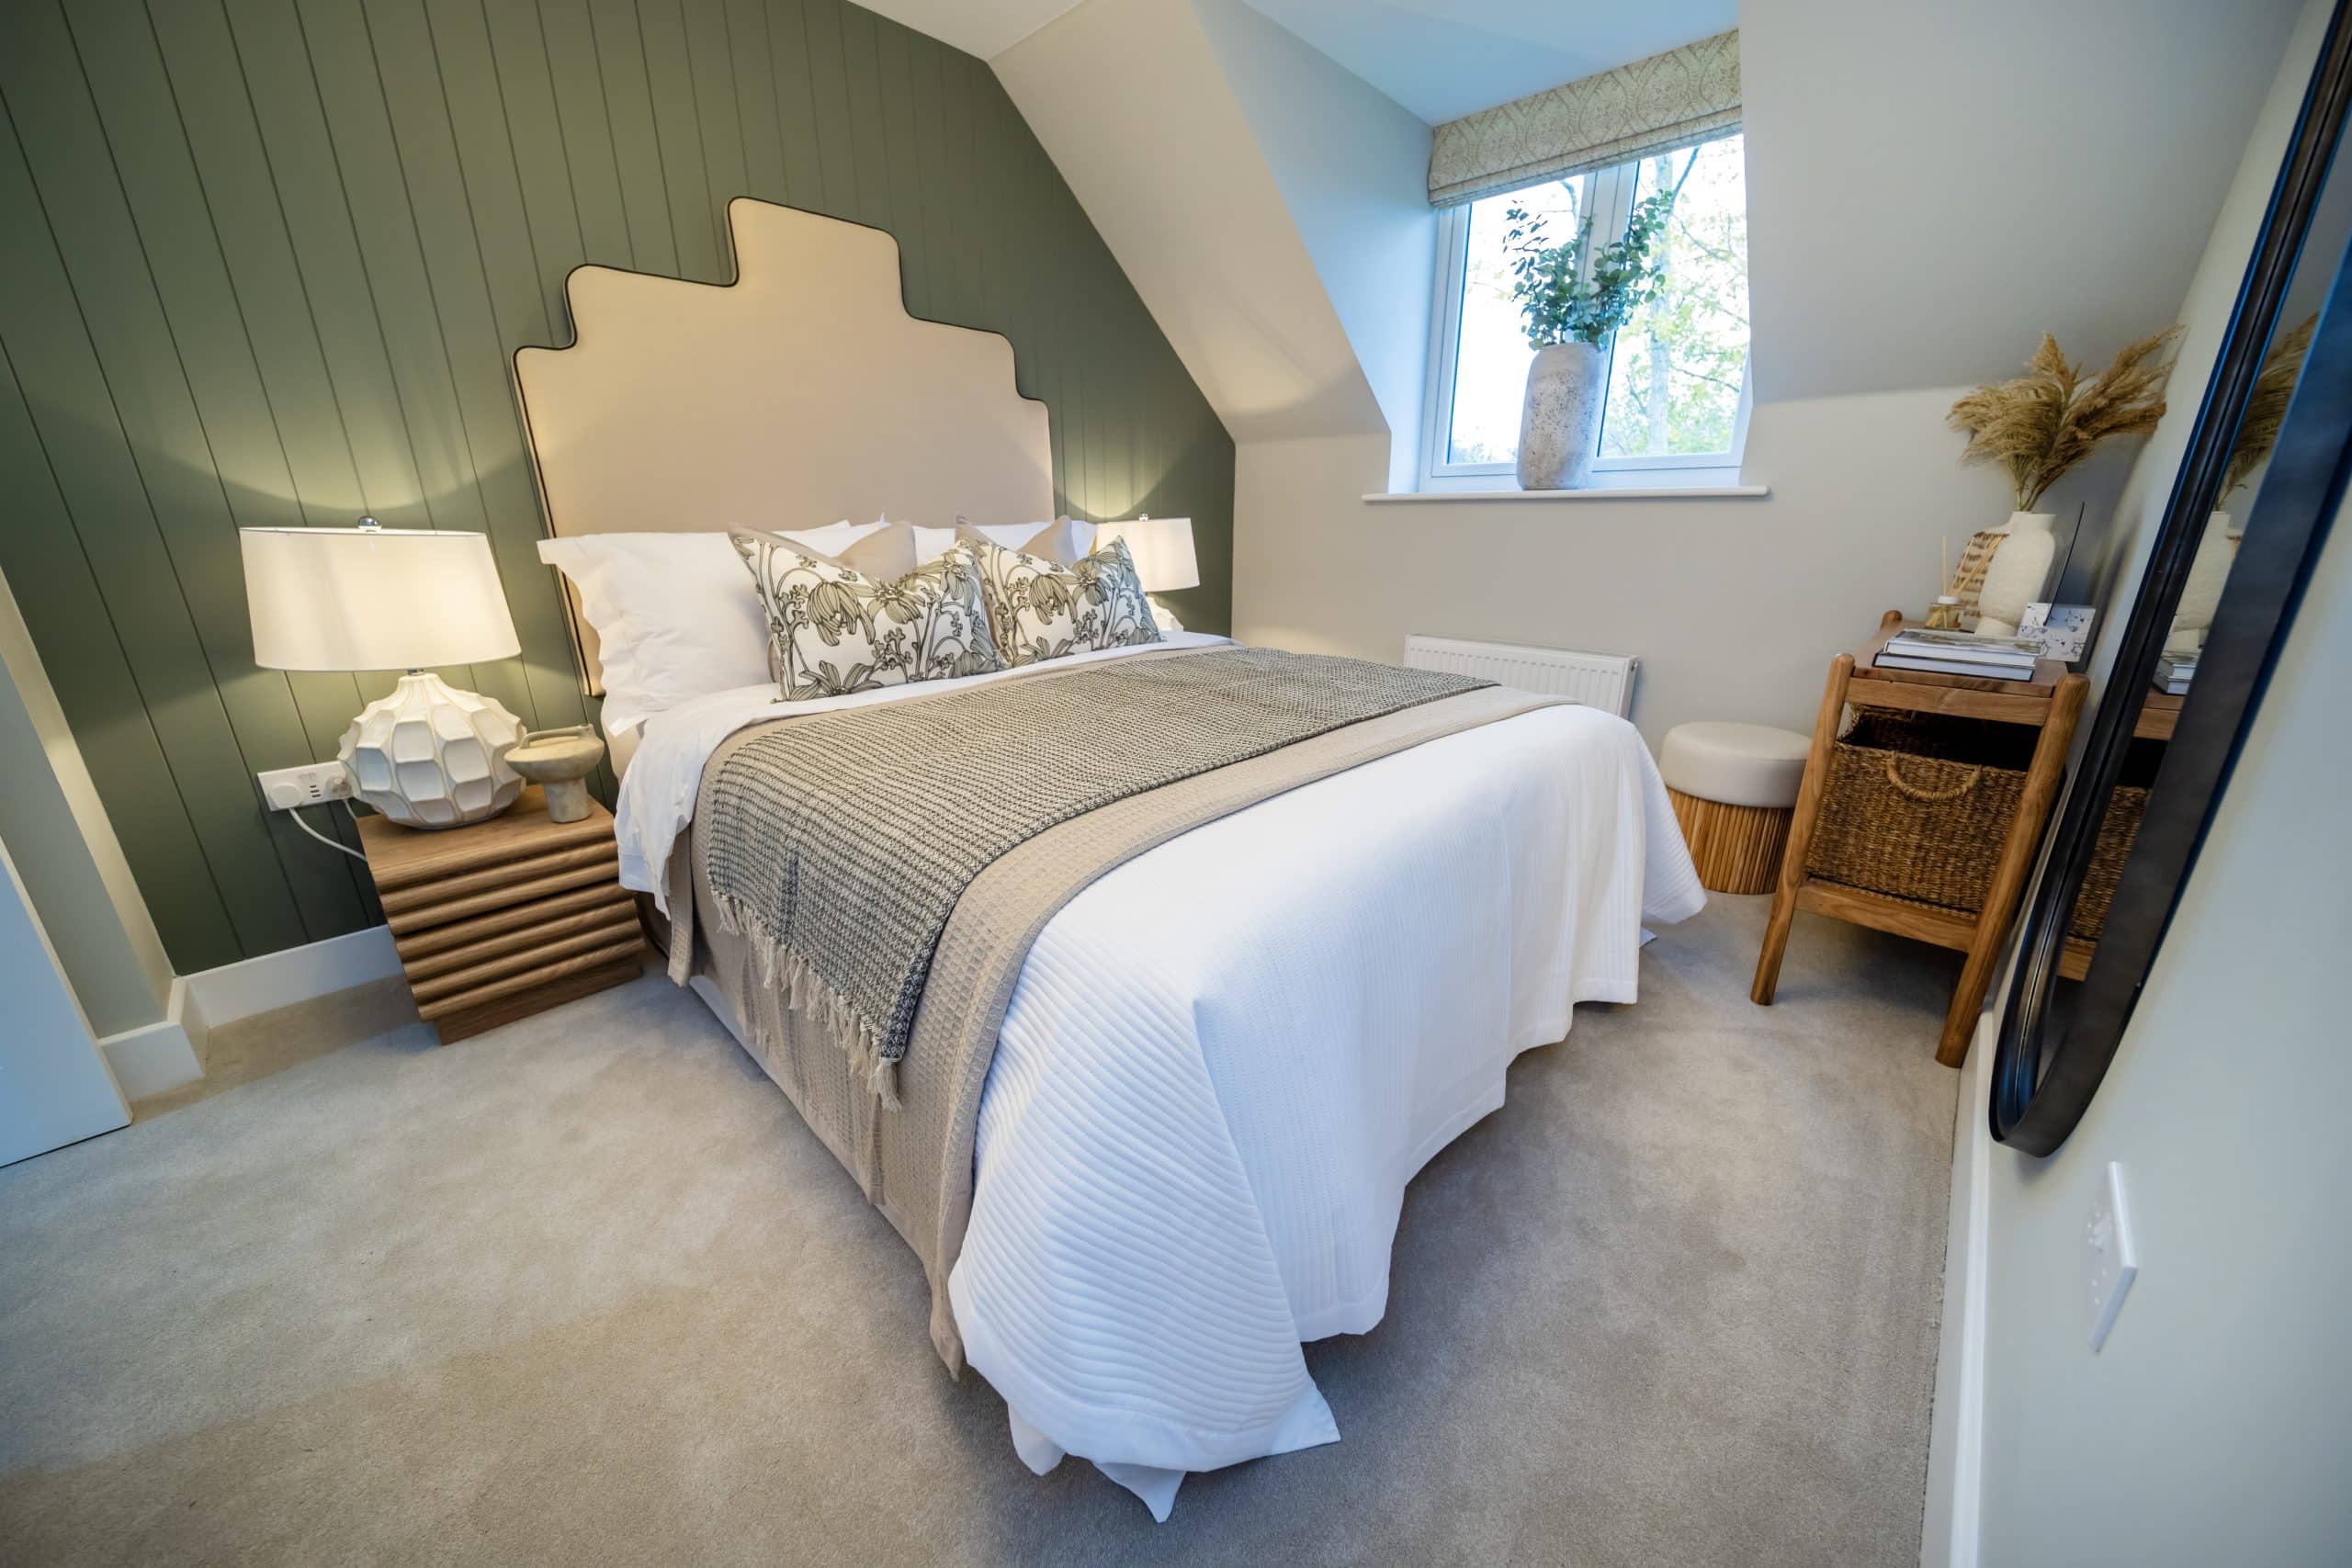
(1226, 1058)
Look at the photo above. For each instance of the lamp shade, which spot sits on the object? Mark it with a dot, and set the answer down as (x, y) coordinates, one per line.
(1162, 550)
(373, 599)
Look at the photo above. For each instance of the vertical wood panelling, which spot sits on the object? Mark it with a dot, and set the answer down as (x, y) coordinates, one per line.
(677, 128)
(265, 262)
(71, 359)
(95, 686)
(869, 149)
(591, 167)
(629, 104)
(927, 102)
(829, 94)
(894, 73)
(711, 72)
(527, 95)
(233, 467)
(753, 67)
(795, 105)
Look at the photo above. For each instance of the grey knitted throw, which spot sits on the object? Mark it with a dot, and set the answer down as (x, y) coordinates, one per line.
(838, 843)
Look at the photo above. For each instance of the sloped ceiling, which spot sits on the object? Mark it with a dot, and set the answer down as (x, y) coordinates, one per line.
(1443, 59)
(1167, 166)
(1350, 164)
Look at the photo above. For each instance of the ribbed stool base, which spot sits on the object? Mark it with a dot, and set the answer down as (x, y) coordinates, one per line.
(1736, 848)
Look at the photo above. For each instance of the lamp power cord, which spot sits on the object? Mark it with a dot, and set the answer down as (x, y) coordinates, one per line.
(335, 845)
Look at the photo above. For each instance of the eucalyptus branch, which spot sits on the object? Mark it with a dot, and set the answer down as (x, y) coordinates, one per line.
(1562, 298)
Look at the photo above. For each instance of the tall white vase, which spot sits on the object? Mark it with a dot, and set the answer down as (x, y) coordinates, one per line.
(2018, 572)
(2201, 594)
(1559, 425)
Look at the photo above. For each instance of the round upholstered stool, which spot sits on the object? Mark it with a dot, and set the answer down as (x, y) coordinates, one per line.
(1734, 788)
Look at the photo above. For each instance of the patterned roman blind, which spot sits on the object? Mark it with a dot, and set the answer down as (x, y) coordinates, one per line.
(1674, 99)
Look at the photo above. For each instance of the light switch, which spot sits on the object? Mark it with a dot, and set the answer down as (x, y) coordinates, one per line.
(2114, 1259)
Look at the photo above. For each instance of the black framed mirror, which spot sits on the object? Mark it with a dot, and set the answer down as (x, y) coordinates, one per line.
(2222, 578)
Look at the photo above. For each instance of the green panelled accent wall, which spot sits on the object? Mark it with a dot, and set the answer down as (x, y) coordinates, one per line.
(264, 262)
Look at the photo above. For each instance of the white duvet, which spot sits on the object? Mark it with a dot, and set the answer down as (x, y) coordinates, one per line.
(1224, 1059)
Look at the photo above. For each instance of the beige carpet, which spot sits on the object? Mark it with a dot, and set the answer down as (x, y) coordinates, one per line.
(584, 1291)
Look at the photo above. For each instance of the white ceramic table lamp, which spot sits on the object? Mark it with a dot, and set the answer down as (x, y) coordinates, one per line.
(1162, 548)
(377, 598)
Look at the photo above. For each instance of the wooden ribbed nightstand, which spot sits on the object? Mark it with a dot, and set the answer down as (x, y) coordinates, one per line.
(505, 919)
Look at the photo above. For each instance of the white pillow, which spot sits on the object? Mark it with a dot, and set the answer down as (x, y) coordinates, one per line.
(675, 614)
(1062, 541)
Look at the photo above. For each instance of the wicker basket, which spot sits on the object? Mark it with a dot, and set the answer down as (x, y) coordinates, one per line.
(2118, 831)
(1917, 809)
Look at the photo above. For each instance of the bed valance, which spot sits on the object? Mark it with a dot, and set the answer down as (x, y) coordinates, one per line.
(1673, 100)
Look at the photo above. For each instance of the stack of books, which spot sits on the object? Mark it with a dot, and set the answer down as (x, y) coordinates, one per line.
(2173, 675)
(1959, 653)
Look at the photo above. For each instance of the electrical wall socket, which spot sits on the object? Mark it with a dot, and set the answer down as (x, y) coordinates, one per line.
(2114, 1257)
(315, 783)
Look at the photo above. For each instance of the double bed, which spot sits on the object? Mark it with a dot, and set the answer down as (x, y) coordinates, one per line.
(1175, 1056)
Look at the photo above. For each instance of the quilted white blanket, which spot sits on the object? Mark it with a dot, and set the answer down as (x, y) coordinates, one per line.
(1226, 1058)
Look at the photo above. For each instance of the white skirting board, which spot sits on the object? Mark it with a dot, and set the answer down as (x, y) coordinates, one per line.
(296, 975)
(165, 1054)
(160, 1056)
(1947, 1536)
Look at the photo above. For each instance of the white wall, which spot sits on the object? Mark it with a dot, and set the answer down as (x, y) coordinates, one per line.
(66, 851)
(1930, 185)
(2215, 1423)
(54, 1086)
(1734, 607)
(1352, 166)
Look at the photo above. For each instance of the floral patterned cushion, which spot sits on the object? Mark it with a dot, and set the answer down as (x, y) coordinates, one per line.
(1038, 610)
(832, 629)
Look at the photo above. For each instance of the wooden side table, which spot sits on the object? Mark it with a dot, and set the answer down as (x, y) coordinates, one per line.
(507, 918)
(2051, 702)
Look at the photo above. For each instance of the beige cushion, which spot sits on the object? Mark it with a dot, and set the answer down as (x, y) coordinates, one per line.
(885, 555)
(1065, 541)
(1738, 764)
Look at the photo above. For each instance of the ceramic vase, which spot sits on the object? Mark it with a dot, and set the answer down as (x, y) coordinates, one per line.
(559, 761)
(2201, 596)
(431, 756)
(2018, 573)
(1559, 425)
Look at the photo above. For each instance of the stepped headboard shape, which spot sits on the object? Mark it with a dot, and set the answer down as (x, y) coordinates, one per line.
(800, 393)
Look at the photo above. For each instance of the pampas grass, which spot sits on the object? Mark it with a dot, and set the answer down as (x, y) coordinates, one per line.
(2050, 419)
(2266, 409)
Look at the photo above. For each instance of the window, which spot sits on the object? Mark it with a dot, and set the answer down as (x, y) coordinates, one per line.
(1678, 379)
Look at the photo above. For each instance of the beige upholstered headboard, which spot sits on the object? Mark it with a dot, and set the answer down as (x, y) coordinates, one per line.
(800, 393)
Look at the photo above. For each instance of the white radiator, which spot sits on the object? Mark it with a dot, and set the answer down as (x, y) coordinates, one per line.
(1603, 680)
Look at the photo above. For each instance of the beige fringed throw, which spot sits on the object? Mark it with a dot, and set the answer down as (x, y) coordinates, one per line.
(838, 844)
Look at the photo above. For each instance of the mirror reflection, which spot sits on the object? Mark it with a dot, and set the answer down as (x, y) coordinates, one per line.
(2190, 593)
(2202, 595)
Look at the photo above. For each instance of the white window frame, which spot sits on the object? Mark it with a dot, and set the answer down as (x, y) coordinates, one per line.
(1608, 194)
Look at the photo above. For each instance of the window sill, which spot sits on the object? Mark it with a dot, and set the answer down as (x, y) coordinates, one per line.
(1620, 492)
